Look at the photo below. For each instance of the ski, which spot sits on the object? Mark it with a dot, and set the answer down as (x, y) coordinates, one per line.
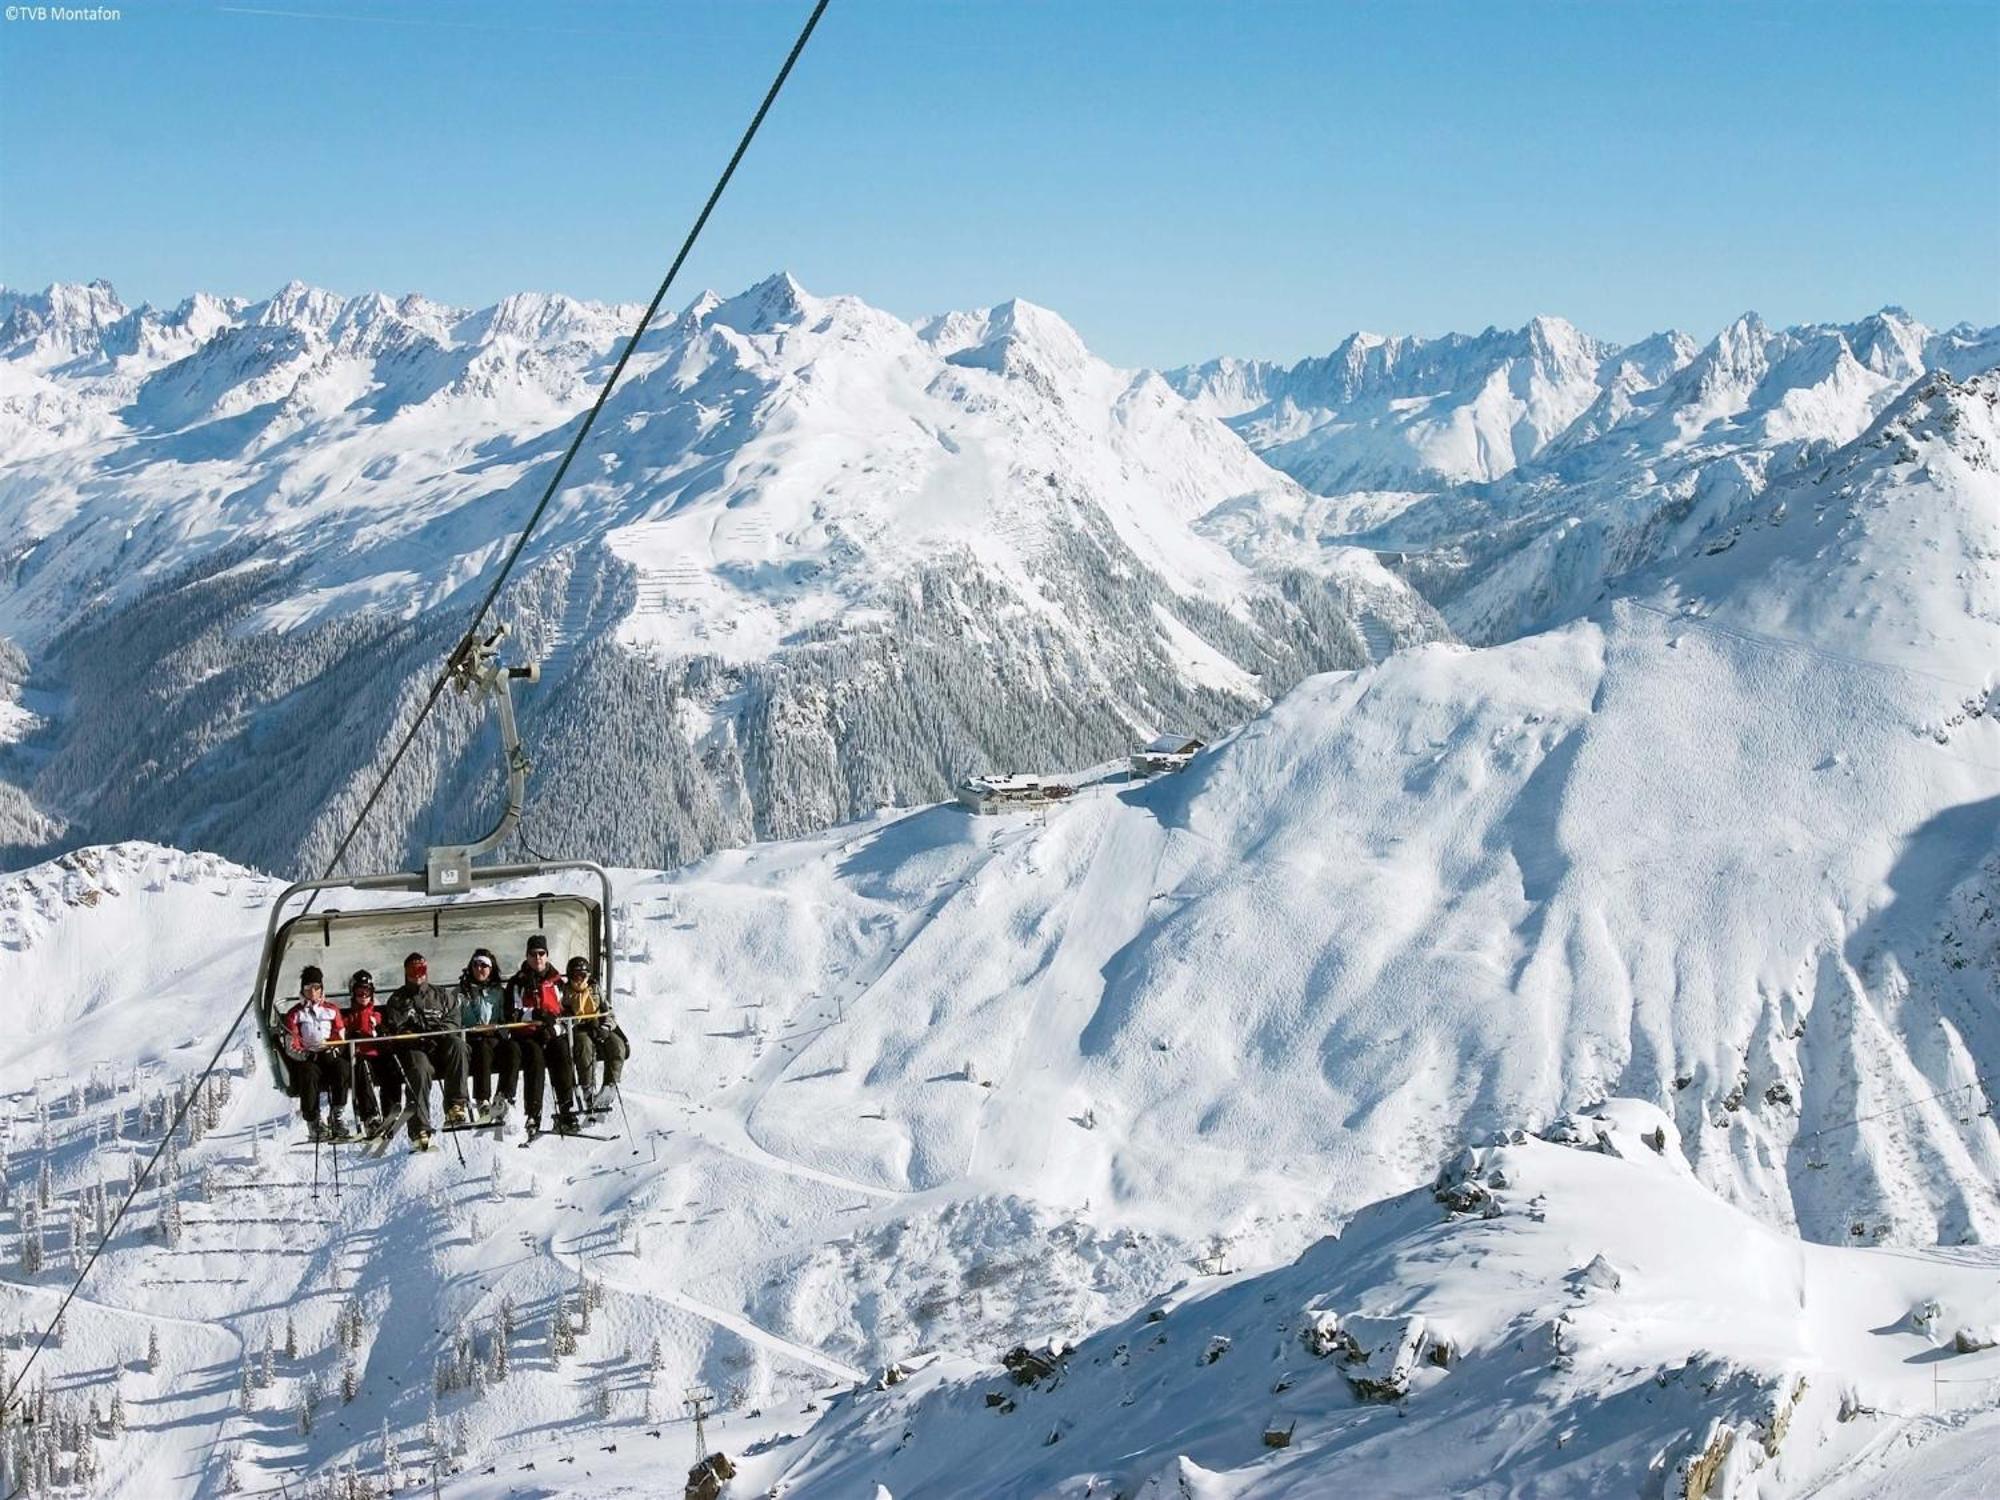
(560, 1135)
(392, 1124)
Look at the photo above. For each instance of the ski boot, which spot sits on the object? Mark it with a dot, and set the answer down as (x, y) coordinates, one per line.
(534, 1129)
(315, 1132)
(456, 1115)
(567, 1122)
(422, 1140)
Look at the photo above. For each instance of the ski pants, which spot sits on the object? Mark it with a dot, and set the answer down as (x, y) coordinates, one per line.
(596, 1041)
(489, 1053)
(440, 1057)
(545, 1055)
(378, 1086)
(318, 1071)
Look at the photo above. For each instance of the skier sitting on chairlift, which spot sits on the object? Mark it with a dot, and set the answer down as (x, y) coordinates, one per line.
(535, 994)
(597, 1035)
(428, 1018)
(482, 1005)
(310, 1025)
(378, 1076)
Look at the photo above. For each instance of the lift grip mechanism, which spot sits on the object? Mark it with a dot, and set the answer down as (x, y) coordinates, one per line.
(476, 668)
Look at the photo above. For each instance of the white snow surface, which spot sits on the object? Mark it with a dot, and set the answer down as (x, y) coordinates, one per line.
(1597, 1324)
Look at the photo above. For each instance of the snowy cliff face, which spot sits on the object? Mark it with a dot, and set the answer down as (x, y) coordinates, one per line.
(814, 561)
(1530, 474)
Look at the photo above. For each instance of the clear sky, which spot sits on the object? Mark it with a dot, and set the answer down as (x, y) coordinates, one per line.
(1177, 179)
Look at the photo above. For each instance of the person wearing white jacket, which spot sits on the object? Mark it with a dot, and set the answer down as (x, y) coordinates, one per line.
(316, 1066)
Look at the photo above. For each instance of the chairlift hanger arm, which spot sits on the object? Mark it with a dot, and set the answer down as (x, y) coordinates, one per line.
(477, 668)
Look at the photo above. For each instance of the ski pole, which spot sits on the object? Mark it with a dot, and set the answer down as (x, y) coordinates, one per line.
(626, 1115)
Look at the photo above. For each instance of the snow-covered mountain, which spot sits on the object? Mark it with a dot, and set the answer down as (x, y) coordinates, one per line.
(1704, 879)
(816, 561)
(1578, 1319)
(1518, 476)
(1398, 413)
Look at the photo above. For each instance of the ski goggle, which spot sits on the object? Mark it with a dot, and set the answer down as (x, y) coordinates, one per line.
(417, 967)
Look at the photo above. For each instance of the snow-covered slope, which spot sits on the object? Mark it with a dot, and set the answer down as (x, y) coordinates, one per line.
(817, 561)
(1579, 1318)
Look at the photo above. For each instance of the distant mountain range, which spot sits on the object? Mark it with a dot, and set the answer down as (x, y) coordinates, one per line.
(1526, 471)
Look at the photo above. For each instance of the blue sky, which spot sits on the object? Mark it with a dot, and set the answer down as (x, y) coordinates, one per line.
(1177, 179)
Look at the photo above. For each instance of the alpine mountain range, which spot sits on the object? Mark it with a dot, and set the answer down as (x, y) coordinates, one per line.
(817, 560)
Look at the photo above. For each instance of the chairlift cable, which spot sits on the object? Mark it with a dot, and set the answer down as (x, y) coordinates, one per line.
(461, 655)
(1979, 1081)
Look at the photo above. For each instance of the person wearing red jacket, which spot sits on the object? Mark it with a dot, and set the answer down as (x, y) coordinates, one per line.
(535, 993)
(378, 1076)
(311, 1025)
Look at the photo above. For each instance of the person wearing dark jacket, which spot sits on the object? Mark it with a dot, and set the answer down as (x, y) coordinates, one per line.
(597, 1035)
(311, 1026)
(535, 993)
(428, 1017)
(482, 1009)
(378, 1076)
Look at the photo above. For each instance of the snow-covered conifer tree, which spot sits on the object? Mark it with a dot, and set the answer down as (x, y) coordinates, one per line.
(152, 1348)
(31, 1241)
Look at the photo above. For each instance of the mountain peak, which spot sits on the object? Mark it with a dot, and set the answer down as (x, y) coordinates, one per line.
(299, 305)
(776, 302)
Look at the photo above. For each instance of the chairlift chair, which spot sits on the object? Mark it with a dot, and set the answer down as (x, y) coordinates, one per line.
(450, 919)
